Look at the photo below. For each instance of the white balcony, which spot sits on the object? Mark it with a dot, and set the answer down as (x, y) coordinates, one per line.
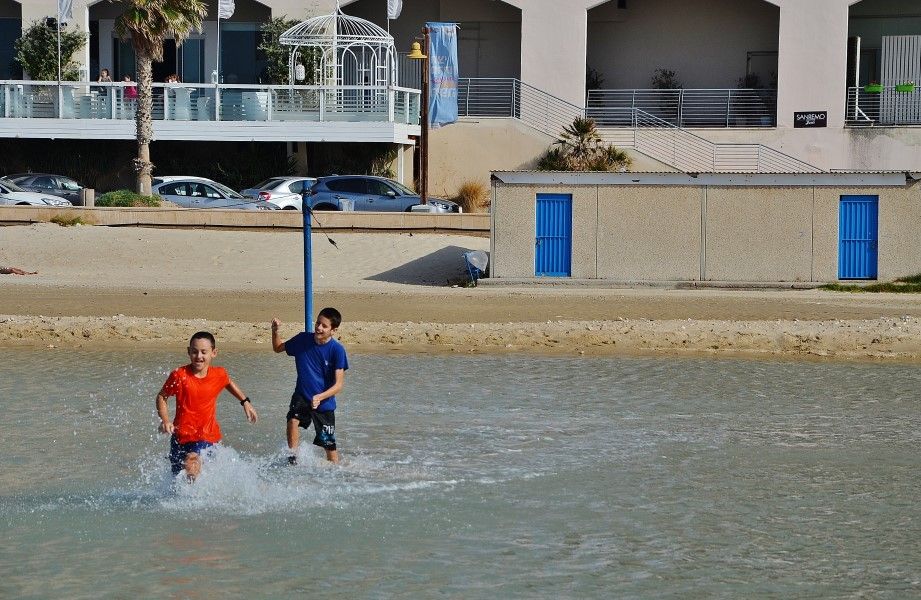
(88, 110)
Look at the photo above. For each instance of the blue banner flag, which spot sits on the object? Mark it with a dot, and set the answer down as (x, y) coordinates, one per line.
(442, 73)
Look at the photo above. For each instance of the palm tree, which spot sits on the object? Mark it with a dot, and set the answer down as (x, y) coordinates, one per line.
(580, 142)
(147, 23)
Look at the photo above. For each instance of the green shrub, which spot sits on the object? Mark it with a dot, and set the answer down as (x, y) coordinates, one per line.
(127, 198)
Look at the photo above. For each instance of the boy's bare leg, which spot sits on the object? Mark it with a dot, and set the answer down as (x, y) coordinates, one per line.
(294, 436)
(192, 466)
(332, 456)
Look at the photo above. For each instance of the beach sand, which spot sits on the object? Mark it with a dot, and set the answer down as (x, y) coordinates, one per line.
(102, 287)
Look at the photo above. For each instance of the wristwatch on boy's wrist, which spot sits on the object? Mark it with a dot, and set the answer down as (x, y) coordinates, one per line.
(245, 400)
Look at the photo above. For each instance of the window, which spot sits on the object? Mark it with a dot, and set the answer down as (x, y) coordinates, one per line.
(210, 192)
(174, 189)
(45, 183)
(297, 187)
(353, 186)
(378, 187)
(69, 185)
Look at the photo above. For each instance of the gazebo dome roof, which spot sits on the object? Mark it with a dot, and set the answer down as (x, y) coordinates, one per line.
(345, 29)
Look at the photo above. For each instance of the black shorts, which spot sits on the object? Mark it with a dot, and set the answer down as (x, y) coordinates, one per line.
(324, 421)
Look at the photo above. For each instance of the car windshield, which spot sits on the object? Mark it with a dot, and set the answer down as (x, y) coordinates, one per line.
(11, 186)
(227, 191)
(402, 188)
(270, 182)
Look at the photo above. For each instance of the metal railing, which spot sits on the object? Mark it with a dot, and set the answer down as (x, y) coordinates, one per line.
(883, 105)
(687, 108)
(691, 153)
(209, 102)
(503, 97)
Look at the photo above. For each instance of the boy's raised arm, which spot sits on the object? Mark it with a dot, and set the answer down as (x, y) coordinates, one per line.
(278, 345)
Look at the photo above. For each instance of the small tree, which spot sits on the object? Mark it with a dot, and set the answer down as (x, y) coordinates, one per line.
(277, 56)
(580, 148)
(664, 79)
(37, 51)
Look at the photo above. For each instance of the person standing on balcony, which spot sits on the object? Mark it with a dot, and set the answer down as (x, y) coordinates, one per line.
(104, 77)
(131, 91)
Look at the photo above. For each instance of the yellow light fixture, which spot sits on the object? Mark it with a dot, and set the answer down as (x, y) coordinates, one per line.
(415, 52)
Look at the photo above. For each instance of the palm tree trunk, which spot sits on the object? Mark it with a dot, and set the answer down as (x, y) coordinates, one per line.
(144, 122)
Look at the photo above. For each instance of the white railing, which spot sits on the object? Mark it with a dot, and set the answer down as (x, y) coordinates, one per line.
(691, 153)
(883, 105)
(725, 108)
(208, 102)
(502, 97)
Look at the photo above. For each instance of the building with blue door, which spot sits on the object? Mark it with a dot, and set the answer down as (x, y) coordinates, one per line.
(674, 227)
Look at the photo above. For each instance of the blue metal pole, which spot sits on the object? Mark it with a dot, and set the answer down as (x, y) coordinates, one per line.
(308, 270)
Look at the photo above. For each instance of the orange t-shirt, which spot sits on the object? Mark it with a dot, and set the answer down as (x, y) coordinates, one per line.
(196, 403)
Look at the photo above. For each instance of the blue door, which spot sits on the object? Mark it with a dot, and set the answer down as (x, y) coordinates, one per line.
(553, 242)
(858, 235)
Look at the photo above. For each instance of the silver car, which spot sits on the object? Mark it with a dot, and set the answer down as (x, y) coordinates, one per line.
(199, 192)
(283, 192)
(12, 194)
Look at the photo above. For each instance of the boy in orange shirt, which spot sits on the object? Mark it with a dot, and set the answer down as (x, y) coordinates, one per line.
(196, 387)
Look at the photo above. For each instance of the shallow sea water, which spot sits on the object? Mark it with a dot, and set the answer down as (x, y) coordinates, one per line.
(469, 477)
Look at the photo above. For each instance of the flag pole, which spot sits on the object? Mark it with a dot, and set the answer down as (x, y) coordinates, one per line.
(217, 83)
(60, 94)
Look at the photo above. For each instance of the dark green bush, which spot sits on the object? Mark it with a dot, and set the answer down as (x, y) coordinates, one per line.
(127, 198)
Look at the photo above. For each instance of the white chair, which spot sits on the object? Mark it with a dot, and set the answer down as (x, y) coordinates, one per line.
(182, 104)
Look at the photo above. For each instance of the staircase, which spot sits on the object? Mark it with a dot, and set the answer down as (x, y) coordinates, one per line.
(648, 134)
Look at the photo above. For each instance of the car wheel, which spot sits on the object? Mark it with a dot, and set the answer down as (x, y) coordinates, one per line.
(290, 208)
(325, 207)
(23, 204)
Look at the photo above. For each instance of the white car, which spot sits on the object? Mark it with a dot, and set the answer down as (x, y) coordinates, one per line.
(12, 194)
(284, 192)
(199, 192)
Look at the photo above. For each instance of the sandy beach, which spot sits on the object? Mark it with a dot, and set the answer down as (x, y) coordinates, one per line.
(101, 287)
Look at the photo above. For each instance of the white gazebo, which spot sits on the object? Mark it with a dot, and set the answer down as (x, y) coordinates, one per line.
(351, 56)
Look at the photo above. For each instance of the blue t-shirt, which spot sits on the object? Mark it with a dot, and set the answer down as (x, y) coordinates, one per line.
(316, 366)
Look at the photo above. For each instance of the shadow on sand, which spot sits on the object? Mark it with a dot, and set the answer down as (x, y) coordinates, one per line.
(440, 268)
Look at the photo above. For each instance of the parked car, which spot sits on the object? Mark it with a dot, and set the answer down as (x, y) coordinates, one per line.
(284, 192)
(365, 192)
(12, 194)
(199, 192)
(46, 183)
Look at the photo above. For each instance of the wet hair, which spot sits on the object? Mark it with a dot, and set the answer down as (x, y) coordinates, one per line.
(335, 319)
(203, 335)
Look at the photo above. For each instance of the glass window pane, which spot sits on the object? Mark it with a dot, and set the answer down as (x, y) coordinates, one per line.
(239, 60)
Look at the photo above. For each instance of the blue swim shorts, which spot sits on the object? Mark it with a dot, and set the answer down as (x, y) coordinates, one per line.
(178, 452)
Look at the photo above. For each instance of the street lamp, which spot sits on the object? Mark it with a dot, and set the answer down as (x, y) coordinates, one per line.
(415, 53)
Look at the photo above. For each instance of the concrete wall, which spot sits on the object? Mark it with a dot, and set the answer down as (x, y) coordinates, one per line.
(488, 145)
(853, 148)
(707, 46)
(712, 233)
(636, 228)
(467, 224)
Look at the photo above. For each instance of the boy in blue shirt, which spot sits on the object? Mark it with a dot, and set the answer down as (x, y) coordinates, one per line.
(321, 363)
